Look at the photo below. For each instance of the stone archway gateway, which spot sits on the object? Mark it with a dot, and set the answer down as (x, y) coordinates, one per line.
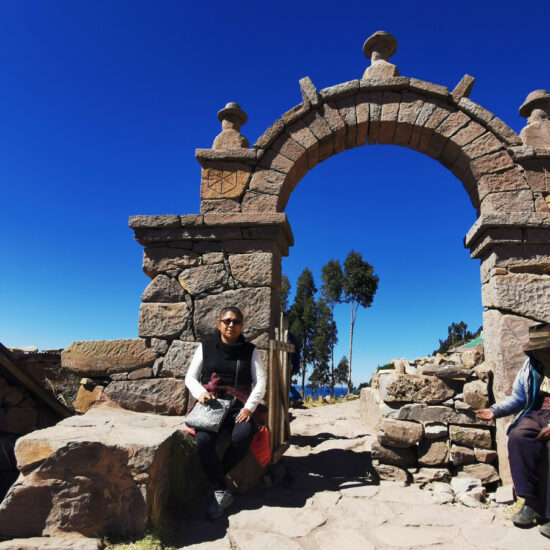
(231, 251)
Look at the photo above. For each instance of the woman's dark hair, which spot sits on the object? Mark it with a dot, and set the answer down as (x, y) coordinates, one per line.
(234, 310)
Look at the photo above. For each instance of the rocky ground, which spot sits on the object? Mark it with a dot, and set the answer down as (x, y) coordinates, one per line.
(328, 500)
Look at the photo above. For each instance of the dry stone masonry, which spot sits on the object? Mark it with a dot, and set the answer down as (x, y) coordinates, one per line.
(426, 428)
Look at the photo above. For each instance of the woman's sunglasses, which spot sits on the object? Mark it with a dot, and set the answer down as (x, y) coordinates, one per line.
(228, 322)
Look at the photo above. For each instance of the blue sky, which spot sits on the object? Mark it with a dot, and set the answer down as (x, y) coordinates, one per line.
(102, 104)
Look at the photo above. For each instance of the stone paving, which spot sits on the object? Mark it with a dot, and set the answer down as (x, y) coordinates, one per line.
(327, 500)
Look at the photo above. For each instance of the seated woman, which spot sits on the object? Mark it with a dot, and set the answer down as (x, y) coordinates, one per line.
(211, 375)
(529, 434)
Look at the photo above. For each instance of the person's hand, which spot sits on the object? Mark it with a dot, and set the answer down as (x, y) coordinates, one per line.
(206, 396)
(485, 414)
(244, 415)
(544, 434)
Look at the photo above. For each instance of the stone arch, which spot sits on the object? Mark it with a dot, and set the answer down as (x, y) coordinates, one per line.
(460, 134)
(232, 250)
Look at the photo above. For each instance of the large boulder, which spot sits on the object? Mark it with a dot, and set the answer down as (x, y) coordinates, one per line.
(104, 357)
(108, 472)
(476, 394)
(396, 456)
(177, 360)
(399, 433)
(156, 395)
(437, 413)
(471, 437)
(404, 388)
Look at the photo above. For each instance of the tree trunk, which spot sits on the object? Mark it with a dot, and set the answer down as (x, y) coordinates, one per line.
(350, 345)
(304, 381)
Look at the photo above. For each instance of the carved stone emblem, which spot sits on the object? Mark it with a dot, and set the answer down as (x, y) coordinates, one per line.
(224, 183)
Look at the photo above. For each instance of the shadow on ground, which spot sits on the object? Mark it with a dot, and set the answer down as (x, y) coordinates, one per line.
(298, 479)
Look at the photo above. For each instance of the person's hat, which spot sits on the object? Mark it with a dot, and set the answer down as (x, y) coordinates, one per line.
(539, 337)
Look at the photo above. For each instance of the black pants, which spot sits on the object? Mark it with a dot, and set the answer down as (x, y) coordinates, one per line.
(242, 434)
(524, 452)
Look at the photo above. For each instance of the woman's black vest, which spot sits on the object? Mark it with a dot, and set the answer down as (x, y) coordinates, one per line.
(222, 359)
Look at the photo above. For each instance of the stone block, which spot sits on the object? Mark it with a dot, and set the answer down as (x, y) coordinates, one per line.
(469, 133)
(205, 278)
(346, 107)
(476, 111)
(486, 456)
(124, 467)
(226, 180)
(261, 202)
(371, 413)
(270, 135)
(537, 135)
(140, 374)
(105, 357)
(510, 201)
(484, 472)
(505, 495)
(519, 293)
(438, 413)
(177, 360)
(387, 472)
(69, 541)
(167, 396)
(378, 83)
(267, 181)
(446, 371)
(220, 205)
(470, 437)
(158, 260)
(320, 128)
(403, 457)
(388, 117)
(433, 452)
(340, 90)
(259, 269)
(492, 163)
(476, 394)
(331, 115)
(151, 222)
(163, 289)
(435, 430)
(404, 388)
(440, 113)
(309, 91)
(452, 124)
(409, 109)
(375, 114)
(463, 88)
(85, 398)
(258, 306)
(483, 145)
(296, 113)
(163, 320)
(398, 433)
(504, 133)
(511, 180)
(431, 475)
(428, 88)
(287, 147)
(303, 135)
(274, 161)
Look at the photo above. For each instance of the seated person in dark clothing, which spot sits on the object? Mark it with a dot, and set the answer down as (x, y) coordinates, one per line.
(529, 434)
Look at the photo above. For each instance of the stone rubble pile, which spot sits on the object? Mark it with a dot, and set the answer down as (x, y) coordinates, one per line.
(426, 428)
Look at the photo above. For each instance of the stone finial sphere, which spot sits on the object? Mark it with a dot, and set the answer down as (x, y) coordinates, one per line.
(233, 109)
(533, 99)
(380, 38)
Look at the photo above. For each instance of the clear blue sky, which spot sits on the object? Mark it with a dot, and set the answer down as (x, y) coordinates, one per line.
(103, 102)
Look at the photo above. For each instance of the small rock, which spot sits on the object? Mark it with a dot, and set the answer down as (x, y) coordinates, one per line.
(469, 501)
(484, 472)
(464, 484)
(388, 472)
(435, 430)
(430, 475)
(505, 495)
(461, 406)
(485, 456)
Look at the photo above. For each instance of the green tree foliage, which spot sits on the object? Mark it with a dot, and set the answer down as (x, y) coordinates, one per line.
(341, 371)
(457, 335)
(324, 340)
(285, 291)
(360, 285)
(303, 320)
(332, 290)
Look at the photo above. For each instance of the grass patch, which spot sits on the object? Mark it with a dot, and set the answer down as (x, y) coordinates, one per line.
(149, 542)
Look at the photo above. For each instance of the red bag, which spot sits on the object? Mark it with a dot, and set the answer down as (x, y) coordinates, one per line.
(260, 446)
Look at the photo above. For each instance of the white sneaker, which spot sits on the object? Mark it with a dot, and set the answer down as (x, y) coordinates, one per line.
(220, 500)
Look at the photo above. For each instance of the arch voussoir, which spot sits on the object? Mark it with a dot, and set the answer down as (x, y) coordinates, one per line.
(388, 116)
(346, 108)
(409, 109)
(329, 111)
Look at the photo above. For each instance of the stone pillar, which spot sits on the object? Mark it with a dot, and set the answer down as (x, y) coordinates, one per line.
(201, 263)
(514, 250)
(379, 48)
(536, 109)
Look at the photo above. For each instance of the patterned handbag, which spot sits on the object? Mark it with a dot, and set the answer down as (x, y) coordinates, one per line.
(210, 416)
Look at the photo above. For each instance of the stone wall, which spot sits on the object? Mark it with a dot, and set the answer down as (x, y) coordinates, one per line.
(424, 414)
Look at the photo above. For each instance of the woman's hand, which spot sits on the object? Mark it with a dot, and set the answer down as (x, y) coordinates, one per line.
(544, 434)
(206, 396)
(244, 415)
(485, 414)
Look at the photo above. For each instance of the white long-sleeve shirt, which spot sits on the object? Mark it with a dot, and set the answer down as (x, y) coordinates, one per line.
(192, 378)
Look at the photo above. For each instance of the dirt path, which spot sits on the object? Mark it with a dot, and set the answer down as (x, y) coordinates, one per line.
(328, 501)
